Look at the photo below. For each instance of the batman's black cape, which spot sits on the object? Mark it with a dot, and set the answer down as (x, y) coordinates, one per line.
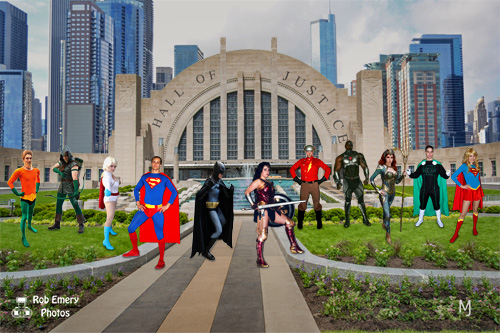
(203, 226)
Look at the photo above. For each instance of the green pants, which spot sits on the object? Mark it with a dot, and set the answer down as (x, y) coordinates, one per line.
(27, 208)
(60, 200)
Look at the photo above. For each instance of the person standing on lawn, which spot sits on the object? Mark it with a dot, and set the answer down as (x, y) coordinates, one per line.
(430, 182)
(108, 195)
(309, 184)
(468, 190)
(30, 184)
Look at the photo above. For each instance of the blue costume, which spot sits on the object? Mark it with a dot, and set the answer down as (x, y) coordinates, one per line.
(471, 178)
(155, 185)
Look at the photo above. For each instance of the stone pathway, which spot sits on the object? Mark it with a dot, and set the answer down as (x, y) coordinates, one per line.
(230, 294)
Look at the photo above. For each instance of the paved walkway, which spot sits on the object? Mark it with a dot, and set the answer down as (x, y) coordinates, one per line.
(230, 294)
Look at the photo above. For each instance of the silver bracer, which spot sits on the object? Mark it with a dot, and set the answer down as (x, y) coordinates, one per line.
(374, 186)
(249, 198)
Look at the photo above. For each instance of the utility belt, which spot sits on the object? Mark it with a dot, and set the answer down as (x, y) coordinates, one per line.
(212, 205)
(305, 181)
(351, 178)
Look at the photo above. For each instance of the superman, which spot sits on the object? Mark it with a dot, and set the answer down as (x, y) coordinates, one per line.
(158, 215)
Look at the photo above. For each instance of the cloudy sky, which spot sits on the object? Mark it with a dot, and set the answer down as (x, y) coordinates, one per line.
(365, 29)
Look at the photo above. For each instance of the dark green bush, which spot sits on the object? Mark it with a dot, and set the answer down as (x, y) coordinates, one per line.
(69, 215)
(4, 212)
(183, 218)
(18, 212)
(99, 217)
(121, 216)
(493, 210)
(374, 212)
(89, 213)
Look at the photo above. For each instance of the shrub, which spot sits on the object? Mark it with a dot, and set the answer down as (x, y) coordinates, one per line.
(17, 212)
(121, 216)
(183, 218)
(4, 212)
(407, 256)
(89, 213)
(382, 257)
(493, 210)
(464, 261)
(69, 215)
(373, 212)
(99, 217)
(333, 252)
(360, 254)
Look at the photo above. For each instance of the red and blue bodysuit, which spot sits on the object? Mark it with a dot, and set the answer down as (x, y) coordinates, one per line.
(155, 190)
(470, 176)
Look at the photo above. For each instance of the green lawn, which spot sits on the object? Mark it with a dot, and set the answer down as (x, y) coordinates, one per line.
(317, 241)
(42, 198)
(44, 240)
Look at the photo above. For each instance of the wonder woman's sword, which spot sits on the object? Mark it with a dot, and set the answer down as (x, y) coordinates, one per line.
(284, 203)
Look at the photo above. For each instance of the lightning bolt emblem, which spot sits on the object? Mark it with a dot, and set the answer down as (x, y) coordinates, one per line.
(310, 166)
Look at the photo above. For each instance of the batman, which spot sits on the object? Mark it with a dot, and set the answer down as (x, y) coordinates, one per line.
(213, 214)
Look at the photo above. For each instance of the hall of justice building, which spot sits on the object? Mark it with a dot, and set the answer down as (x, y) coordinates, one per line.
(244, 107)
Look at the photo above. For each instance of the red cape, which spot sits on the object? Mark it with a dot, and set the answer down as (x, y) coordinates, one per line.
(101, 195)
(460, 194)
(171, 225)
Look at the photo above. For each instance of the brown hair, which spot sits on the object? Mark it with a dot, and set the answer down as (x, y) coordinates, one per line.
(26, 152)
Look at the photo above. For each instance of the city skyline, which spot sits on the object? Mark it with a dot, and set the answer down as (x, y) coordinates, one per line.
(365, 29)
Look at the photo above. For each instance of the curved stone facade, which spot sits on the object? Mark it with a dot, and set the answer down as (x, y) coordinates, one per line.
(331, 116)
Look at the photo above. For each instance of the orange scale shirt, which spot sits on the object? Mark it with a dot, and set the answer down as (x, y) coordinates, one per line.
(29, 179)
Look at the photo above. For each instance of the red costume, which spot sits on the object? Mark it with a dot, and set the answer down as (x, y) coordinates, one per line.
(309, 168)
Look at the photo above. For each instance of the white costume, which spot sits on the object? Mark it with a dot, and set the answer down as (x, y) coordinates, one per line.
(111, 185)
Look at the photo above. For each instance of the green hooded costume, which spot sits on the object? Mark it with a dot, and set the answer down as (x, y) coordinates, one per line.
(443, 196)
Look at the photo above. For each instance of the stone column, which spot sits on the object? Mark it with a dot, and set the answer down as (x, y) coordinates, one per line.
(189, 140)
(291, 131)
(223, 99)
(127, 125)
(274, 97)
(176, 165)
(206, 132)
(241, 116)
(257, 118)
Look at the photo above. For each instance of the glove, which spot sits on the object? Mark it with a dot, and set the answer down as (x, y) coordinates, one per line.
(297, 180)
(448, 173)
(107, 193)
(323, 179)
(408, 172)
(17, 193)
(59, 172)
(37, 187)
(76, 194)
(210, 182)
(339, 186)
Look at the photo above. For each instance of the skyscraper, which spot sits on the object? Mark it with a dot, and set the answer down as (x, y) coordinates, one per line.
(449, 48)
(58, 13)
(36, 121)
(16, 98)
(419, 104)
(185, 56)
(494, 121)
(129, 45)
(13, 37)
(324, 47)
(89, 75)
(163, 76)
(392, 69)
(148, 42)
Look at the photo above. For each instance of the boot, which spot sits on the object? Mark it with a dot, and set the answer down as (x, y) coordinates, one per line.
(388, 238)
(474, 219)
(106, 242)
(207, 253)
(261, 262)
(455, 236)
(294, 247)
(81, 219)
(300, 218)
(57, 222)
(112, 232)
(161, 248)
(420, 218)
(438, 217)
(319, 222)
(347, 209)
(363, 212)
(135, 250)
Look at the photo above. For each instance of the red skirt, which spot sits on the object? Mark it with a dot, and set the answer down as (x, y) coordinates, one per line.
(473, 195)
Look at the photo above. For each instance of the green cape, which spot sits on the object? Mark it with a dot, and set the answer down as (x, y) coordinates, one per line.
(443, 196)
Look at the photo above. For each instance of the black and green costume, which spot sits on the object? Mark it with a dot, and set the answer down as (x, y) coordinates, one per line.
(68, 188)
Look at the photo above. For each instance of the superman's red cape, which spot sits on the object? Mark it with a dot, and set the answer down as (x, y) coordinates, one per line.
(171, 225)
(460, 194)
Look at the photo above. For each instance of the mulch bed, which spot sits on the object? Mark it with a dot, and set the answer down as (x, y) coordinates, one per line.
(418, 263)
(315, 303)
(52, 322)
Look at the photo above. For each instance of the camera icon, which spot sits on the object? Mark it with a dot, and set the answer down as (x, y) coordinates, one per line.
(21, 310)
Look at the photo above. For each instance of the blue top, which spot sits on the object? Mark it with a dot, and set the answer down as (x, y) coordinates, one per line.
(471, 176)
(155, 185)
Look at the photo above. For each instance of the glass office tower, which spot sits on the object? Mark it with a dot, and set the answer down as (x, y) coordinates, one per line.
(185, 56)
(13, 37)
(449, 48)
(129, 45)
(324, 48)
